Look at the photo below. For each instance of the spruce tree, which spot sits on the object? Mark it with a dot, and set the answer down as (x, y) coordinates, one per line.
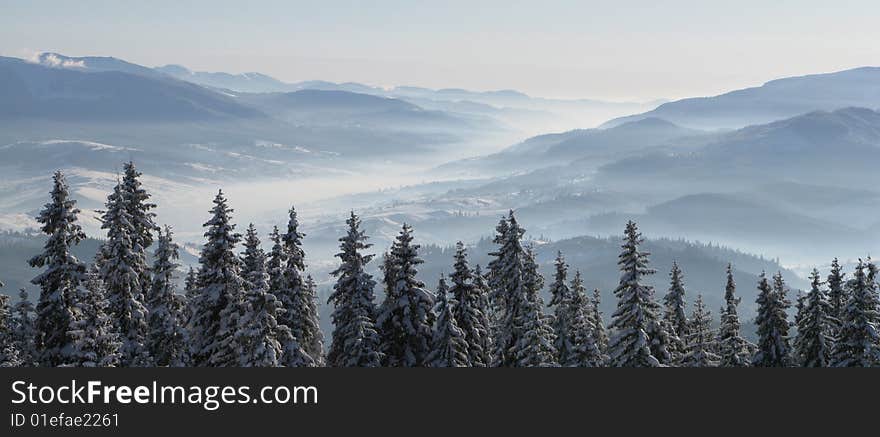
(469, 309)
(355, 342)
(800, 308)
(294, 354)
(62, 275)
(636, 314)
(9, 353)
(217, 306)
(858, 342)
(563, 300)
(449, 347)
(259, 336)
(166, 339)
(139, 207)
(314, 337)
(700, 347)
(253, 260)
(674, 314)
(534, 347)
(837, 295)
(599, 333)
(276, 262)
(508, 289)
(559, 290)
(141, 217)
(406, 317)
(122, 264)
(24, 331)
(773, 343)
(733, 348)
(585, 351)
(814, 342)
(190, 290)
(298, 299)
(662, 342)
(389, 272)
(484, 304)
(96, 343)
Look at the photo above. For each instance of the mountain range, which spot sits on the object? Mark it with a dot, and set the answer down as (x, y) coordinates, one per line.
(73, 94)
(774, 100)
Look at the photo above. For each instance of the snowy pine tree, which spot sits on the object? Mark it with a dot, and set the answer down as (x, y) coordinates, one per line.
(636, 312)
(814, 342)
(299, 301)
(734, 350)
(599, 333)
(700, 340)
(565, 308)
(314, 338)
(469, 310)
(261, 340)
(800, 308)
(773, 343)
(166, 338)
(191, 286)
(585, 352)
(837, 297)
(122, 265)
(139, 208)
(356, 342)
(534, 347)
(389, 274)
(662, 342)
(9, 353)
(507, 280)
(253, 261)
(96, 342)
(674, 314)
(259, 336)
(23, 329)
(449, 347)
(406, 317)
(217, 306)
(141, 218)
(858, 342)
(276, 262)
(484, 304)
(62, 275)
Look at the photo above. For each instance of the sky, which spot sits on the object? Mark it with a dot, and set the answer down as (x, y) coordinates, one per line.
(622, 50)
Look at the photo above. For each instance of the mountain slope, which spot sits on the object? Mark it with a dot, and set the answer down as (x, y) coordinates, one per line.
(329, 107)
(94, 64)
(244, 82)
(839, 148)
(29, 90)
(777, 99)
(595, 145)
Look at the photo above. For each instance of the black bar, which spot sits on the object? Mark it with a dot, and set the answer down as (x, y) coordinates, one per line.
(461, 402)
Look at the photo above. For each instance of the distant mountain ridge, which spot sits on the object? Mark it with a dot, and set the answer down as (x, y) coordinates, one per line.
(93, 64)
(598, 145)
(838, 148)
(36, 90)
(776, 99)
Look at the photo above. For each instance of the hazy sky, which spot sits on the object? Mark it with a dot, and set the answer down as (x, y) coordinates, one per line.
(608, 49)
